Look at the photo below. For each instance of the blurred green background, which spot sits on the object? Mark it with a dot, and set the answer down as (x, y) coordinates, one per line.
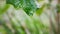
(29, 17)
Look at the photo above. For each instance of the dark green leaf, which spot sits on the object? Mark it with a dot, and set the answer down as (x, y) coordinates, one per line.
(28, 6)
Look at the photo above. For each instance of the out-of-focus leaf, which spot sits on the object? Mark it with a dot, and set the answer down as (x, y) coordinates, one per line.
(7, 30)
(40, 10)
(2, 10)
(17, 26)
(39, 0)
(15, 3)
(29, 6)
(50, 0)
(2, 30)
(58, 7)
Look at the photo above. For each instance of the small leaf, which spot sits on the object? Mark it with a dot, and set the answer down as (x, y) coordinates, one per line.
(40, 10)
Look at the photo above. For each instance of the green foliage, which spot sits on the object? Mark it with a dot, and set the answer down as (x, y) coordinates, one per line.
(58, 7)
(5, 28)
(50, 0)
(17, 26)
(15, 3)
(29, 6)
(33, 25)
(39, 11)
(3, 10)
(40, 0)
(2, 30)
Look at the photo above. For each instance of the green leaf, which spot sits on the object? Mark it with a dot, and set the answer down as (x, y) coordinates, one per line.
(39, 0)
(15, 3)
(28, 6)
(58, 8)
(3, 10)
(40, 10)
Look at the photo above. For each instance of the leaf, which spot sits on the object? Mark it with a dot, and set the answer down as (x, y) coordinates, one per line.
(7, 30)
(4, 9)
(40, 10)
(39, 0)
(28, 6)
(15, 3)
(58, 8)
